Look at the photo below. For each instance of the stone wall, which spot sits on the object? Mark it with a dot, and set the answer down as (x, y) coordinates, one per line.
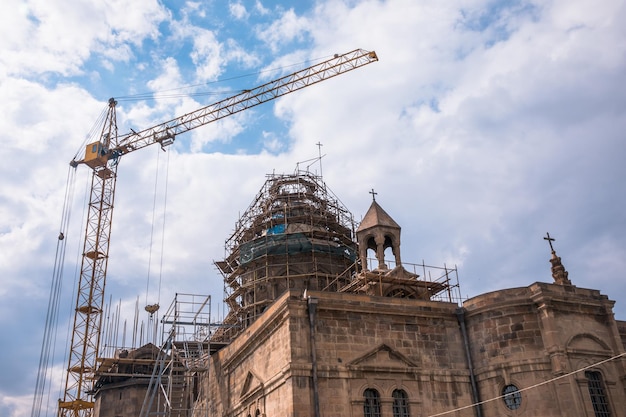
(526, 336)
(361, 342)
(247, 377)
(122, 399)
(621, 328)
(520, 336)
(387, 344)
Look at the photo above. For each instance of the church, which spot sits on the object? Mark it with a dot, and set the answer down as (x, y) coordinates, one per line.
(327, 320)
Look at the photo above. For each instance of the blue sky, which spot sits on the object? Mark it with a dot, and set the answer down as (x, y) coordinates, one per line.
(485, 125)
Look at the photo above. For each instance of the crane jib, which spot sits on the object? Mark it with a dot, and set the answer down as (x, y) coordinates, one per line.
(166, 132)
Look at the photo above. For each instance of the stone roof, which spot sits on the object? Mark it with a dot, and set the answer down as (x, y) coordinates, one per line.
(376, 216)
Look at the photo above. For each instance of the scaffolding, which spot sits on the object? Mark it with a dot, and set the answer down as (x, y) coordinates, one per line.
(296, 234)
(417, 281)
(168, 379)
(183, 360)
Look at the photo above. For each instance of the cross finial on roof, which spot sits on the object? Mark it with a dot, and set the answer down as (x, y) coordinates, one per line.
(558, 270)
(373, 193)
(319, 154)
(550, 240)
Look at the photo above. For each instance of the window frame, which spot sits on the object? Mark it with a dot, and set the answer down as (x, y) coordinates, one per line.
(512, 397)
(598, 394)
(400, 407)
(371, 403)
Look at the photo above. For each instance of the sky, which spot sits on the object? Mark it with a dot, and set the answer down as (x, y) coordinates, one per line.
(484, 126)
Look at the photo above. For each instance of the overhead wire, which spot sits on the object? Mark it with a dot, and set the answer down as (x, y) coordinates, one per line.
(178, 92)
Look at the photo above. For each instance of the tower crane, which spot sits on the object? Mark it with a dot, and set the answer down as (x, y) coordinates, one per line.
(103, 157)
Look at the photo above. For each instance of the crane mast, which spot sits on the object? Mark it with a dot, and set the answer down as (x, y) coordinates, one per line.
(103, 157)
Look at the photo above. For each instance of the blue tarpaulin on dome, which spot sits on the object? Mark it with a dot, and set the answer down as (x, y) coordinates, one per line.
(279, 243)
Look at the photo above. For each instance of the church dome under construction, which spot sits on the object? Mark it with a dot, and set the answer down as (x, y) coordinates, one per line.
(295, 235)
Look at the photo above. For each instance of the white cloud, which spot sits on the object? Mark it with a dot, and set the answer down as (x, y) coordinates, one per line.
(169, 79)
(36, 129)
(194, 7)
(207, 51)
(238, 11)
(271, 142)
(44, 36)
(236, 52)
(15, 406)
(207, 56)
(262, 10)
(287, 28)
(222, 131)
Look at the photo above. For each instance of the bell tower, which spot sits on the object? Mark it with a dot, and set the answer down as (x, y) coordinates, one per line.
(378, 231)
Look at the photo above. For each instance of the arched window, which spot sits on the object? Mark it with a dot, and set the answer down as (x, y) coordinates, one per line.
(598, 395)
(371, 406)
(400, 403)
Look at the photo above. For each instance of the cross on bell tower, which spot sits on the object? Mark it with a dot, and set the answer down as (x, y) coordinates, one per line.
(374, 194)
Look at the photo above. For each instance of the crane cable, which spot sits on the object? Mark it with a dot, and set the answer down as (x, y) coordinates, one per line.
(154, 307)
(167, 174)
(95, 130)
(52, 314)
(154, 198)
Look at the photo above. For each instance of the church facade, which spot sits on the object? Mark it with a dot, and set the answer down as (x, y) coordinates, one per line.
(335, 354)
(382, 346)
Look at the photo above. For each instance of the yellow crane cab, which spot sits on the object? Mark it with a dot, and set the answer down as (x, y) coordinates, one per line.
(96, 155)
